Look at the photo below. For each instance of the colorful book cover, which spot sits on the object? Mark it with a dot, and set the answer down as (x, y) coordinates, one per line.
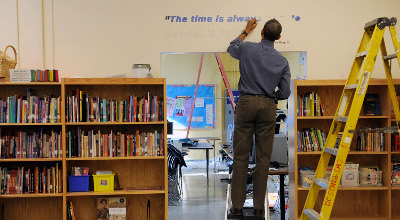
(111, 208)
(372, 105)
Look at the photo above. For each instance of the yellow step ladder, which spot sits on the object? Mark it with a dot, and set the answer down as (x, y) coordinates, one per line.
(354, 92)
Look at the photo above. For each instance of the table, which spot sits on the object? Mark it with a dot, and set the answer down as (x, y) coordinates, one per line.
(281, 172)
(203, 146)
(213, 144)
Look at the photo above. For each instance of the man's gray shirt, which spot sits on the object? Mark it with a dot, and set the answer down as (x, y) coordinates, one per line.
(262, 69)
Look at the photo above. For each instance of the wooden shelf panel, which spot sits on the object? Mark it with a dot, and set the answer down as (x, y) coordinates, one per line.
(36, 195)
(119, 158)
(115, 123)
(340, 82)
(30, 124)
(358, 217)
(350, 152)
(356, 188)
(116, 192)
(331, 117)
(30, 83)
(31, 160)
(114, 81)
(395, 152)
(395, 187)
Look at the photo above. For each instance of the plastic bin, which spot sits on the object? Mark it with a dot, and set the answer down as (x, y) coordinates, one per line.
(78, 183)
(370, 178)
(306, 178)
(103, 182)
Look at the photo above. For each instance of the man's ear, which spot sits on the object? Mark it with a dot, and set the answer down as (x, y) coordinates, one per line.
(279, 37)
(262, 33)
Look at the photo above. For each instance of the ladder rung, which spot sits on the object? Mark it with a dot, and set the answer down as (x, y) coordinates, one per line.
(389, 57)
(341, 118)
(321, 182)
(331, 150)
(312, 214)
(351, 86)
(362, 54)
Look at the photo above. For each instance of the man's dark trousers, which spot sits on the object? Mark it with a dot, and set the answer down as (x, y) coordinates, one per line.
(255, 114)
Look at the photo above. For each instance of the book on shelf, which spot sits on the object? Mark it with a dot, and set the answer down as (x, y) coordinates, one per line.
(395, 164)
(309, 104)
(114, 144)
(310, 139)
(70, 210)
(30, 109)
(370, 141)
(81, 107)
(31, 145)
(372, 105)
(22, 180)
(111, 208)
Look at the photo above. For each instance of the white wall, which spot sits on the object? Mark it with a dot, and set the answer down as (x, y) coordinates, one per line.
(95, 38)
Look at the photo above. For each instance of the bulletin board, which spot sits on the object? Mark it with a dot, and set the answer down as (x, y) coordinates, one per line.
(179, 105)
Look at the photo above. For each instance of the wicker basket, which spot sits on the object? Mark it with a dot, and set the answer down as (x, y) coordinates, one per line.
(6, 62)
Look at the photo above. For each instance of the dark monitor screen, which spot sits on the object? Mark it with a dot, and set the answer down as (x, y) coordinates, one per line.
(170, 127)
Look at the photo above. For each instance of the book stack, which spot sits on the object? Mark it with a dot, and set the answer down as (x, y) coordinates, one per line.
(31, 180)
(81, 107)
(310, 139)
(31, 145)
(30, 109)
(114, 144)
(370, 141)
(44, 75)
(309, 104)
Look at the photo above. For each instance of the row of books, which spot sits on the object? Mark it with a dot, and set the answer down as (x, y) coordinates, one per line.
(310, 139)
(24, 180)
(31, 145)
(309, 104)
(30, 109)
(114, 144)
(44, 75)
(81, 107)
(371, 141)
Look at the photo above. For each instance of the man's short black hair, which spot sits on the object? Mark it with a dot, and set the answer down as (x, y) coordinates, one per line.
(272, 29)
(103, 200)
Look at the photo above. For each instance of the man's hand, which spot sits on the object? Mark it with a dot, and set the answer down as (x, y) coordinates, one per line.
(251, 24)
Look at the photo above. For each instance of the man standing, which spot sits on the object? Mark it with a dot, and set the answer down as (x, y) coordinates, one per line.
(262, 69)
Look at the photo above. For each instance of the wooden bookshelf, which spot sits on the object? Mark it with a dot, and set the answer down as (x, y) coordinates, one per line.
(351, 202)
(135, 171)
(36, 205)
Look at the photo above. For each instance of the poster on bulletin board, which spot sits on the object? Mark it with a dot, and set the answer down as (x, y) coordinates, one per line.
(179, 106)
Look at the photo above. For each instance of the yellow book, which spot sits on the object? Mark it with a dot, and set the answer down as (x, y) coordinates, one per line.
(51, 75)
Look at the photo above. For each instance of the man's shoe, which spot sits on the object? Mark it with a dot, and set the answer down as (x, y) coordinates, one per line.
(237, 212)
(259, 212)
